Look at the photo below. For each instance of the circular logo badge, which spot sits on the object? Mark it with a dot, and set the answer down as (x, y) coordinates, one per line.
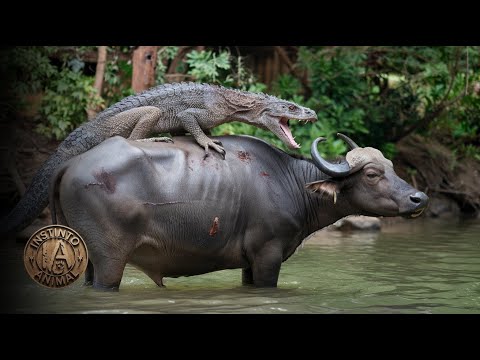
(55, 256)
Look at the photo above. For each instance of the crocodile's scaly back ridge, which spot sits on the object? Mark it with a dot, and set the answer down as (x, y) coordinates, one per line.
(150, 96)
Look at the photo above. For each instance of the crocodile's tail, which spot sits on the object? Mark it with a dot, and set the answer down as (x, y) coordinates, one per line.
(36, 196)
(53, 194)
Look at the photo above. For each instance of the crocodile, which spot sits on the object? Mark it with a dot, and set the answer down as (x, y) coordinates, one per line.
(174, 108)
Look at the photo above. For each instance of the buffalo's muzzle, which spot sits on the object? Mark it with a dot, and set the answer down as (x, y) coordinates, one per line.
(420, 200)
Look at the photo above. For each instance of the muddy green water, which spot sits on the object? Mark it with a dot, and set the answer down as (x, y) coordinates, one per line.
(418, 267)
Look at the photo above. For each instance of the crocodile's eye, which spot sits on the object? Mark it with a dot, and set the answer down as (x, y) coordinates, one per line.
(292, 107)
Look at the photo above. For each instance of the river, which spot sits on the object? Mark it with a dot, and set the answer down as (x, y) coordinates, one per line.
(419, 266)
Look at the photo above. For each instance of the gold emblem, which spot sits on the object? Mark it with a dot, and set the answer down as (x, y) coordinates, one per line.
(55, 256)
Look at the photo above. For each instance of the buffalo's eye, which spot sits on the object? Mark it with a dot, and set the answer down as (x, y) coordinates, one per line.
(372, 175)
(291, 107)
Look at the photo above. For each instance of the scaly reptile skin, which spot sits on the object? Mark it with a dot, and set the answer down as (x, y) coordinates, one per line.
(174, 108)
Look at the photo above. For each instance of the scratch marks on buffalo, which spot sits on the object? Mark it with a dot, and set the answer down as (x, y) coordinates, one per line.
(244, 156)
(165, 203)
(214, 229)
(105, 180)
(263, 173)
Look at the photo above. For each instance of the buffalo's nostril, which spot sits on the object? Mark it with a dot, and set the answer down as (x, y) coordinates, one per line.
(415, 199)
(419, 198)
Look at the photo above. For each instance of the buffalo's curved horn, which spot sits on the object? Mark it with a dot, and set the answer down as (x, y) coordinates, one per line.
(334, 170)
(349, 141)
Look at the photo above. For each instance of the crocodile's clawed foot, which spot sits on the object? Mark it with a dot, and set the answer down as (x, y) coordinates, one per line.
(216, 145)
(157, 139)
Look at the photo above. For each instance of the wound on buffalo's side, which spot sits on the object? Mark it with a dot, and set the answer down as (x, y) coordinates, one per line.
(105, 180)
(263, 173)
(215, 226)
(244, 156)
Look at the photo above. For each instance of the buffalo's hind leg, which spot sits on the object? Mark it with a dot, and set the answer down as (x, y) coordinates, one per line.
(158, 279)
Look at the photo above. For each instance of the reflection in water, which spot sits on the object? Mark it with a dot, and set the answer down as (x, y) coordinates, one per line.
(422, 267)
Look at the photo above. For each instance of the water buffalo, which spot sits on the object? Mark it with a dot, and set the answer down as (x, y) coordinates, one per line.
(169, 211)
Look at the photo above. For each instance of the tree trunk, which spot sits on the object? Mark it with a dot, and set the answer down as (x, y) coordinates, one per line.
(99, 75)
(144, 63)
(100, 70)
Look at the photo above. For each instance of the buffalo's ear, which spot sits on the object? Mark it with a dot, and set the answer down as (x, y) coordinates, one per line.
(324, 187)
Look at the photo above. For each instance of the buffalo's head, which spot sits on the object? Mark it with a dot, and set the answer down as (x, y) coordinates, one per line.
(367, 184)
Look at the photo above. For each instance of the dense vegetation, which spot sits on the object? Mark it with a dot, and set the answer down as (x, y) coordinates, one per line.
(377, 94)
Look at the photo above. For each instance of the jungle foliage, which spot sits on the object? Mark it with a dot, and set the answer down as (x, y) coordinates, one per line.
(376, 94)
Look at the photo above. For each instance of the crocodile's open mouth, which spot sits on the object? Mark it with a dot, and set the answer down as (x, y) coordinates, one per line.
(284, 122)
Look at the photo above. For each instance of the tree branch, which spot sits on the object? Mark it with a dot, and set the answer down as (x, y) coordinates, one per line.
(87, 56)
(12, 170)
(303, 79)
(440, 108)
(182, 51)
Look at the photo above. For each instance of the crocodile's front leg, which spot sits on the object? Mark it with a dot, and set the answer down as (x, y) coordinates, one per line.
(188, 119)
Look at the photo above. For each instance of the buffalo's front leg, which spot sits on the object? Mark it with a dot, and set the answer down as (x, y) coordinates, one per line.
(266, 266)
(108, 273)
(89, 274)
